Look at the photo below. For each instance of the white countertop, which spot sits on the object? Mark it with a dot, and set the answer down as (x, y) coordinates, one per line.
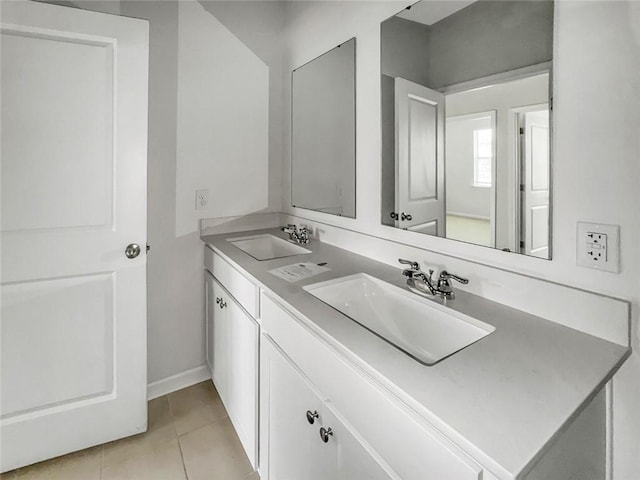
(503, 399)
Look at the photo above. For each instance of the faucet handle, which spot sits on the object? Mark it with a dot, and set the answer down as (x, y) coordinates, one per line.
(444, 275)
(414, 265)
(303, 233)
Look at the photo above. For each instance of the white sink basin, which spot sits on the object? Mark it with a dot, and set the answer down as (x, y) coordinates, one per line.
(266, 247)
(423, 329)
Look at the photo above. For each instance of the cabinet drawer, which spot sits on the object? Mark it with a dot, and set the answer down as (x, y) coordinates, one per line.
(245, 292)
(406, 443)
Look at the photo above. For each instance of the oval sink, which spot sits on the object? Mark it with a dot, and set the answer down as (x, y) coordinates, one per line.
(267, 247)
(421, 328)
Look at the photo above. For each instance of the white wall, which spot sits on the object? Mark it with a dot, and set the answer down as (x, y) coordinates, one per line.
(463, 198)
(223, 129)
(201, 115)
(259, 25)
(595, 169)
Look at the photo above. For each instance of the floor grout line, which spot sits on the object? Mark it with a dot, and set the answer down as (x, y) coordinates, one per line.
(184, 466)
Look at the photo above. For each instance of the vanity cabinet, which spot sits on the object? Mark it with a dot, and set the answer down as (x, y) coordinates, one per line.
(231, 350)
(306, 437)
(373, 429)
(375, 437)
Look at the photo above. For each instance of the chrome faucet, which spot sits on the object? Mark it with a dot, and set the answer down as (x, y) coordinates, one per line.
(298, 235)
(421, 283)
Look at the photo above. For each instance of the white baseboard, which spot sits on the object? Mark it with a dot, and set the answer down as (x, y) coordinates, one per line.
(177, 382)
(469, 215)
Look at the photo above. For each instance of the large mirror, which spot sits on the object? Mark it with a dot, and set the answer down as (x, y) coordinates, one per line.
(323, 138)
(466, 100)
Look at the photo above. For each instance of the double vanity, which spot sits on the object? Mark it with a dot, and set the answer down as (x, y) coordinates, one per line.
(341, 371)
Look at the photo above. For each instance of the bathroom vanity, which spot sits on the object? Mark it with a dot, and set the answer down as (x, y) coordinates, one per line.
(315, 395)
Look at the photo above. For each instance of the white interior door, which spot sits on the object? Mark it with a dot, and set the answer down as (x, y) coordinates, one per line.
(73, 190)
(420, 195)
(535, 193)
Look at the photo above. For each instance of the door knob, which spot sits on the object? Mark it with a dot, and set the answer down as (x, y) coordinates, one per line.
(311, 416)
(394, 215)
(325, 433)
(132, 250)
(406, 216)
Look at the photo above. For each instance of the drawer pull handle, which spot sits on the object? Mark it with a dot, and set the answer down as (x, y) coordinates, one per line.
(325, 433)
(311, 416)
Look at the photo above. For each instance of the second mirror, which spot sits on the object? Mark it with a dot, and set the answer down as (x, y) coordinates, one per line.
(466, 122)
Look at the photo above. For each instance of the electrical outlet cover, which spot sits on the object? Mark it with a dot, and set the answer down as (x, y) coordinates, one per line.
(598, 246)
(202, 199)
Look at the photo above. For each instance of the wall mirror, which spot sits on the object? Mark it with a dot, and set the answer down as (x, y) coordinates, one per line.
(466, 96)
(323, 133)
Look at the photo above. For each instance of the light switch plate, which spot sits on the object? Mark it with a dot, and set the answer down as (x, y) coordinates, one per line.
(598, 246)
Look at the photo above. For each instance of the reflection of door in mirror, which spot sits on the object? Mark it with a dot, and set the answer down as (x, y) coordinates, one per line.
(533, 130)
(420, 203)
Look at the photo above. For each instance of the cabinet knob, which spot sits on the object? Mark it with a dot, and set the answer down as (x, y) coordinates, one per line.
(406, 216)
(325, 433)
(311, 416)
(220, 302)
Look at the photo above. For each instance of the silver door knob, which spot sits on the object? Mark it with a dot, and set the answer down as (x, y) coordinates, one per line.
(325, 433)
(132, 250)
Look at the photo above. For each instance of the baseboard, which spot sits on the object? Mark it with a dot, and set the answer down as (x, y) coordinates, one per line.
(177, 382)
(469, 215)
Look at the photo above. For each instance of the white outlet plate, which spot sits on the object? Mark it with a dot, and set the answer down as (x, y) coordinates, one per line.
(202, 199)
(598, 246)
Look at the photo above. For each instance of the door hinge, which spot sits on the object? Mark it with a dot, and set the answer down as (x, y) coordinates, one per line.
(521, 131)
(522, 187)
(521, 244)
(551, 103)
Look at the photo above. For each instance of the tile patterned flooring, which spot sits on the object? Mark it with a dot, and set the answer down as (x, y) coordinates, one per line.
(189, 437)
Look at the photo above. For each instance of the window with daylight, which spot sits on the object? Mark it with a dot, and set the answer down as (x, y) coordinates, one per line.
(482, 157)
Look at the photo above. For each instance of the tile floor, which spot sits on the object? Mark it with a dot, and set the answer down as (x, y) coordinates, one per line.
(189, 437)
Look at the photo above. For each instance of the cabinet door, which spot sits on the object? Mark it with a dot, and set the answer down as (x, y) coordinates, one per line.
(242, 375)
(219, 341)
(355, 459)
(295, 450)
(209, 310)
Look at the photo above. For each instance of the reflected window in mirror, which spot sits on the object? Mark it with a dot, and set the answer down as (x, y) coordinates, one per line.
(466, 89)
(482, 157)
(323, 133)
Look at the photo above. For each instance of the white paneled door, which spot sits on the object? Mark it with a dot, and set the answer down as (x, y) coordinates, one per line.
(534, 126)
(73, 197)
(420, 195)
